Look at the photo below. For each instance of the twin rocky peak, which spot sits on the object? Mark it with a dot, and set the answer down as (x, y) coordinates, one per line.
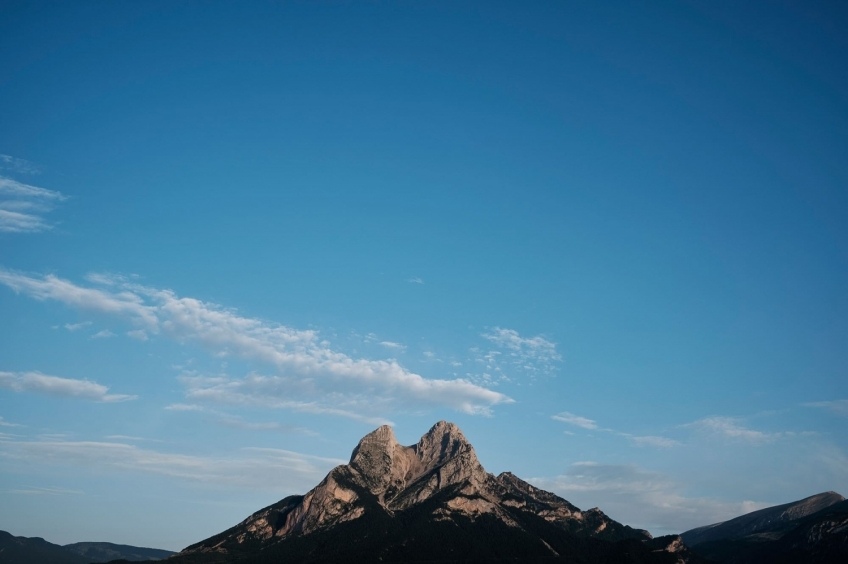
(437, 482)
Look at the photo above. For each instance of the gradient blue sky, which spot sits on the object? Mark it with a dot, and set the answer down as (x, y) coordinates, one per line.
(608, 239)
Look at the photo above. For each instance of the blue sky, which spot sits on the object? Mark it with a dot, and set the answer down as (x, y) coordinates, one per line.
(608, 240)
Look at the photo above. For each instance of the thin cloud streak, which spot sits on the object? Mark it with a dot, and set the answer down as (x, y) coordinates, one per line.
(23, 206)
(274, 392)
(251, 468)
(393, 346)
(730, 428)
(57, 386)
(837, 407)
(104, 334)
(577, 420)
(50, 287)
(652, 441)
(35, 490)
(289, 351)
(138, 335)
(592, 425)
(4, 423)
(15, 164)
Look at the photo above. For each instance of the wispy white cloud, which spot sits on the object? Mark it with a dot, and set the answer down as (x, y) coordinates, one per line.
(372, 338)
(23, 206)
(104, 334)
(731, 428)
(415, 280)
(4, 423)
(538, 346)
(393, 346)
(640, 497)
(138, 334)
(516, 355)
(18, 222)
(572, 419)
(304, 363)
(77, 326)
(276, 392)
(252, 468)
(593, 476)
(592, 425)
(122, 303)
(17, 165)
(837, 407)
(56, 386)
(652, 441)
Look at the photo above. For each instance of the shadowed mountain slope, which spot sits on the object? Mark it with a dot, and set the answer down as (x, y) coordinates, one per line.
(32, 550)
(27, 550)
(770, 519)
(813, 529)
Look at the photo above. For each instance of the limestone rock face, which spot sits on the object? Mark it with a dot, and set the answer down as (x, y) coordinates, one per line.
(440, 475)
(401, 476)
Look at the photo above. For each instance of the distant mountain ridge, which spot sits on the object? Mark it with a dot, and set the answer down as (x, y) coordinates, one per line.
(431, 501)
(106, 551)
(813, 529)
(769, 519)
(32, 550)
(28, 550)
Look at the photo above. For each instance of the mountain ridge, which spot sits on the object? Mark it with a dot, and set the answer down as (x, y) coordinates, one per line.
(26, 550)
(768, 518)
(390, 498)
(813, 529)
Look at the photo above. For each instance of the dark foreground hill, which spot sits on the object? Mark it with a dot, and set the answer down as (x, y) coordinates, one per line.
(429, 502)
(814, 529)
(35, 550)
(27, 550)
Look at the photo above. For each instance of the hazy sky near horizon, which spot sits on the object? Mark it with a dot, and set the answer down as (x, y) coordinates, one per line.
(609, 240)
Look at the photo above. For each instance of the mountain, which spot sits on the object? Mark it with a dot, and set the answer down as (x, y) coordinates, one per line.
(813, 529)
(106, 551)
(429, 502)
(28, 550)
(768, 521)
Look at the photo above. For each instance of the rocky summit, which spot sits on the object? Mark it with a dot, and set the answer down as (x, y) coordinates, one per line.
(428, 502)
